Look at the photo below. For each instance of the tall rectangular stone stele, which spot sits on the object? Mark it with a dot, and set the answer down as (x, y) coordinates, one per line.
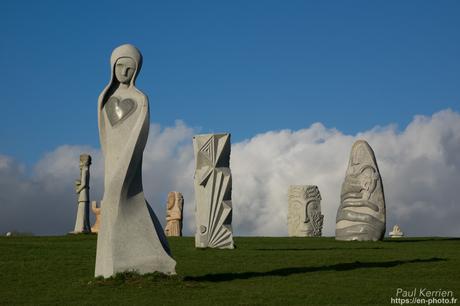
(213, 191)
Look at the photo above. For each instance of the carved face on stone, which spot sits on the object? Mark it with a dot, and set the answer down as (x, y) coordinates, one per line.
(304, 210)
(298, 216)
(171, 200)
(125, 63)
(362, 175)
(124, 69)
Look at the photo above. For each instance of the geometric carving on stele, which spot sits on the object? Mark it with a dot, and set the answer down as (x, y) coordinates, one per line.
(213, 191)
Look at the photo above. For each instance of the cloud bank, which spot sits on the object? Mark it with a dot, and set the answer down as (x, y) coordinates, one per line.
(419, 167)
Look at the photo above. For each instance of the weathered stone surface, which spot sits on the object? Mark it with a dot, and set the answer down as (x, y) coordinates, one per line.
(130, 237)
(304, 211)
(97, 213)
(361, 214)
(82, 224)
(396, 232)
(174, 208)
(213, 191)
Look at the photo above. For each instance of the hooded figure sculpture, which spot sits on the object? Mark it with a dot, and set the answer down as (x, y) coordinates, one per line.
(361, 214)
(131, 237)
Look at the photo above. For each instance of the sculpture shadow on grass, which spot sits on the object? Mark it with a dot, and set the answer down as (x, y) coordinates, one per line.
(404, 240)
(319, 249)
(223, 277)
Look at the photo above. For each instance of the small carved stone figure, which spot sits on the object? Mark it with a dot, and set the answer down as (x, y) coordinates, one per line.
(130, 237)
(396, 233)
(97, 213)
(361, 214)
(82, 224)
(304, 211)
(213, 191)
(174, 208)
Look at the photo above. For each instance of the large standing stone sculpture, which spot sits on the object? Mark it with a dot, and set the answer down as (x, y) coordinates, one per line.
(130, 237)
(304, 211)
(174, 208)
(361, 214)
(213, 191)
(82, 224)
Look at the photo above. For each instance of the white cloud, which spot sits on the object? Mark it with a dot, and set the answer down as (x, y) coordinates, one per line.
(419, 166)
(420, 169)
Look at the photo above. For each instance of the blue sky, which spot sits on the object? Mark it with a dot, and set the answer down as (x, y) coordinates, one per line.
(244, 67)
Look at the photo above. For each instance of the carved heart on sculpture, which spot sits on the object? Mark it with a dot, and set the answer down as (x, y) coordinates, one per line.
(118, 110)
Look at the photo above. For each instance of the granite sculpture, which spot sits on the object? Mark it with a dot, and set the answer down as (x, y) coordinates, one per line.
(130, 237)
(97, 213)
(304, 211)
(213, 191)
(174, 208)
(82, 224)
(361, 214)
(396, 232)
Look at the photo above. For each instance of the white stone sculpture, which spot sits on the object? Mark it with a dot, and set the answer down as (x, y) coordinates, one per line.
(361, 214)
(130, 237)
(304, 211)
(82, 224)
(97, 213)
(396, 233)
(174, 208)
(213, 191)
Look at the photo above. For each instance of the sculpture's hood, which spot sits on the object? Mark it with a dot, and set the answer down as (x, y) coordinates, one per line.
(126, 50)
(361, 156)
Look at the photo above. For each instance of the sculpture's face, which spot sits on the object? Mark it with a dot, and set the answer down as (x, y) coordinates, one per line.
(171, 200)
(124, 69)
(299, 218)
(362, 177)
(84, 161)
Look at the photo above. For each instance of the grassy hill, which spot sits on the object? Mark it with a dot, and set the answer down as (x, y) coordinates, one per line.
(278, 271)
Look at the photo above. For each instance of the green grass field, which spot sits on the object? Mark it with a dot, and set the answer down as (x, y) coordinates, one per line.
(275, 271)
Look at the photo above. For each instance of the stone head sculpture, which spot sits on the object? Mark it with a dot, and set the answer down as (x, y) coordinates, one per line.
(361, 214)
(130, 235)
(304, 211)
